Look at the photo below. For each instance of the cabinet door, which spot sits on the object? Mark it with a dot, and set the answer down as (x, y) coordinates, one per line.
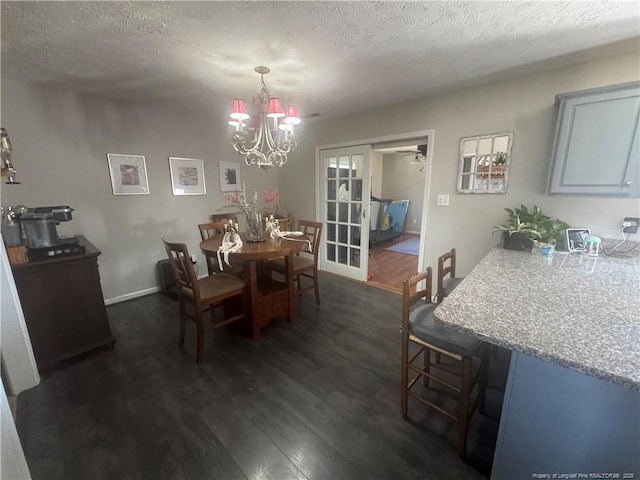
(596, 145)
(63, 308)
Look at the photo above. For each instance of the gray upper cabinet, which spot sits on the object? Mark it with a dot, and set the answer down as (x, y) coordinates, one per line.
(595, 150)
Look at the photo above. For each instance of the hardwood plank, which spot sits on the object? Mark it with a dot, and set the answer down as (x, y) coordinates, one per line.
(39, 431)
(255, 453)
(388, 269)
(312, 455)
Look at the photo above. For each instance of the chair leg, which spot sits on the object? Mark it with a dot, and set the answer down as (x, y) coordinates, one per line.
(299, 284)
(183, 325)
(404, 375)
(200, 336)
(427, 365)
(463, 407)
(315, 286)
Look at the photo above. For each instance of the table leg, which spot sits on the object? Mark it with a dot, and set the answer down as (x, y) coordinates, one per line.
(253, 300)
(288, 264)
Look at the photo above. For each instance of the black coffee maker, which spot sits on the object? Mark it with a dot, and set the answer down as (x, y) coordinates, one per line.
(39, 232)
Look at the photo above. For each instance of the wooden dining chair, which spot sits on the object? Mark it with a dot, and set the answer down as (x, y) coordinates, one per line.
(203, 295)
(305, 264)
(463, 369)
(208, 230)
(284, 223)
(447, 279)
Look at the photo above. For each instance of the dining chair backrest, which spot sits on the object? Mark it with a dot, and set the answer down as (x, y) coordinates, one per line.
(313, 230)
(411, 295)
(305, 264)
(284, 223)
(208, 230)
(182, 266)
(446, 266)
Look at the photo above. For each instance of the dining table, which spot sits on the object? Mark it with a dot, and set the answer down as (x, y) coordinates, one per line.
(269, 298)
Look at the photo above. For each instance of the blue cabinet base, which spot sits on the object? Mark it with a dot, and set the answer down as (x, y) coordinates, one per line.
(559, 421)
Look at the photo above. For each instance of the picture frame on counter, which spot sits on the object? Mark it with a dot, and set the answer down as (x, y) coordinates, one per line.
(576, 238)
(128, 174)
(229, 176)
(187, 176)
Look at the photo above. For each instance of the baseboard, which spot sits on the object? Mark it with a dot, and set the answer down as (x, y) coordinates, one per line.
(138, 294)
(412, 232)
(131, 296)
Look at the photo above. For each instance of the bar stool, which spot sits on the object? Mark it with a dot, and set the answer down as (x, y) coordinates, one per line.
(446, 285)
(420, 329)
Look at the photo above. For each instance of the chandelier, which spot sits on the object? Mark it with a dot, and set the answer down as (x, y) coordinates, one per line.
(271, 128)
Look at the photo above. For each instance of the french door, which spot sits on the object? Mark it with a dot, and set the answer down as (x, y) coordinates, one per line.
(345, 186)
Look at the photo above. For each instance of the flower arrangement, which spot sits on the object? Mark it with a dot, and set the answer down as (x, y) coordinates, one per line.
(249, 206)
(270, 197)
(238, 199)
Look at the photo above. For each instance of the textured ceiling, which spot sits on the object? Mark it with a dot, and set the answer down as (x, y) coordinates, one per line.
(330, 58)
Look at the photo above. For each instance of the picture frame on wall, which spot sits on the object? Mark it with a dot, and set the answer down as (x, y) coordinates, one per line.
(187, 176)
(229, 176)
(128, 174)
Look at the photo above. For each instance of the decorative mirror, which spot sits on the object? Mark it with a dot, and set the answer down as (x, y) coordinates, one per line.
(484, 163)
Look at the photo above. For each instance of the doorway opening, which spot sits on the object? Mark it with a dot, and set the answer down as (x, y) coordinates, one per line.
(397, 193)
(388, 221)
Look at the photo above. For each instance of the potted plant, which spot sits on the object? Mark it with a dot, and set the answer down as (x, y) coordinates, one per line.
(549, 229)
(524, 227)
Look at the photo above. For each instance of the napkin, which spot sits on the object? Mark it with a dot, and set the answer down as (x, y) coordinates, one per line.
(288, 235)
(231, 242)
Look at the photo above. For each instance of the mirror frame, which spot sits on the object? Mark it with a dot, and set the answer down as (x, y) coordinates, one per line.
(475, 173)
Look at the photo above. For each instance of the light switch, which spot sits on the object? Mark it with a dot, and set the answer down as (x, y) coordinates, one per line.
(442, 200)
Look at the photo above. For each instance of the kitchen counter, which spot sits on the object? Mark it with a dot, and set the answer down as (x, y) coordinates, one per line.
(572, 400)
(576, 311)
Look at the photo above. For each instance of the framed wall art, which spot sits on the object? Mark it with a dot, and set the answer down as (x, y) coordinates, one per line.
(187, 176)
(128, 174)
(230, 176)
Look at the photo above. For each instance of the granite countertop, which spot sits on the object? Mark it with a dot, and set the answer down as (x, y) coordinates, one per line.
(576, 311)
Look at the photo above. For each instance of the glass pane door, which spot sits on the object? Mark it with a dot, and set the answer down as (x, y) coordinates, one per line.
(345, 186)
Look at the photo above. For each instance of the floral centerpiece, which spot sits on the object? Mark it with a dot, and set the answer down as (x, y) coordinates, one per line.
(249, 206)
(270, 197)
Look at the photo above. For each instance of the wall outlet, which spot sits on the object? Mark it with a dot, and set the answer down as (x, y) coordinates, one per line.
(194, 259)
(630, 224)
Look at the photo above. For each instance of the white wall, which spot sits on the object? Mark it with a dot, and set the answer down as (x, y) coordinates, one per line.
(60, 141)
(403, 181)
(376, 174)
(13, 465)
(19, 368)
(524, 105)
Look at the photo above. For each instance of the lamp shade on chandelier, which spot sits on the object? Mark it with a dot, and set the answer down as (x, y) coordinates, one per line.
(266, 137)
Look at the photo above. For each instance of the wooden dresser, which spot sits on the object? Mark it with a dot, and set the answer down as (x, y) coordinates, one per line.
(63, 305)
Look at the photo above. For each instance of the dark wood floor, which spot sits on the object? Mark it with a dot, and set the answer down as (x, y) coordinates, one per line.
(315, 398)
